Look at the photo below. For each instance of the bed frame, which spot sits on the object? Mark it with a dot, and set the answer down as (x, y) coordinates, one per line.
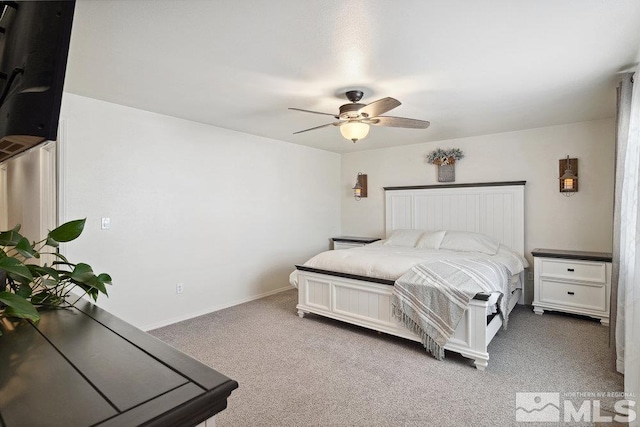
(495, 209)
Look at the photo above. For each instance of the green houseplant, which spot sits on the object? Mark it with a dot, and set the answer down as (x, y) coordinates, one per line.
(26, 287)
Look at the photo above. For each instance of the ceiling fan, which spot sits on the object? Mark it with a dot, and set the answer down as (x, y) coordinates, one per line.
(354, 119)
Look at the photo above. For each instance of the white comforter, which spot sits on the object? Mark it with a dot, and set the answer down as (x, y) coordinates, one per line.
(390, 262)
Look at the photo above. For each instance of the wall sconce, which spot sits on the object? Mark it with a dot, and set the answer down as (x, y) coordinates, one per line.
(568, 176)
(360, 189)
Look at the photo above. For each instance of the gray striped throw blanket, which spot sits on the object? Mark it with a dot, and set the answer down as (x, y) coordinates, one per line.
(431, 298)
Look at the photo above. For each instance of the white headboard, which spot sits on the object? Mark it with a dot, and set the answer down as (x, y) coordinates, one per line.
(495, 209)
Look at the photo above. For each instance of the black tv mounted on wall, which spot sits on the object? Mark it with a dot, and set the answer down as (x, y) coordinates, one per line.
(34, 44)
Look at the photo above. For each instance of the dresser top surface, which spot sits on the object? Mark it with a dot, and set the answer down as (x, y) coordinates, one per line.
(355, 239)
(570, 254)
(114, 374)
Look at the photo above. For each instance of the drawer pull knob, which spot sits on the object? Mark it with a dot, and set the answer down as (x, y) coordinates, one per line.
(570, 269)
(571, 293)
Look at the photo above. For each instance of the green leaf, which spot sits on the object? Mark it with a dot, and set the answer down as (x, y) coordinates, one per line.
(14, 266)
(99, 286)
(25, 249)
(19, 307)
(24, 291)
(104, 278)
(51, 242)
(93, 293)
(50, 283)
(68, 231)
(10, 237)
(82, 273)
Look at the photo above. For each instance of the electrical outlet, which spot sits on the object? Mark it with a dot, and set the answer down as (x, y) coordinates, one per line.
(179, 288)
(530, 276)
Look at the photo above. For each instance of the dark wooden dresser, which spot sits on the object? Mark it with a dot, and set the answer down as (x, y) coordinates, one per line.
(85, 367)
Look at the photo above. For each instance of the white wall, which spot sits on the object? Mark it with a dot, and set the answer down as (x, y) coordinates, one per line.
(581, 222)
(224, 213)
(228, 214)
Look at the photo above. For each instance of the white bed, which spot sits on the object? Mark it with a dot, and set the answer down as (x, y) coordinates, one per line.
(493, 209)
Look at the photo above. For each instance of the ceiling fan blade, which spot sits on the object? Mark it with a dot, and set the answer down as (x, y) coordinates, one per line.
(319, 127)
(378, 107)
(399, 122)
(315, 112)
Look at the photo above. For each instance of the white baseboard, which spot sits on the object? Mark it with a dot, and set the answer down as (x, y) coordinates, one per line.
(212, 309)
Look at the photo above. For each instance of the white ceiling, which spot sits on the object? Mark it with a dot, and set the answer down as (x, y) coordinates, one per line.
(469, 67)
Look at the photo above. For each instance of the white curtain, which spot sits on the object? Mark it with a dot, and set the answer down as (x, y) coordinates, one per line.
(627, 241)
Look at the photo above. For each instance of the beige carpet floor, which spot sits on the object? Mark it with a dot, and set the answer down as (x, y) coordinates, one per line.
(319, 372)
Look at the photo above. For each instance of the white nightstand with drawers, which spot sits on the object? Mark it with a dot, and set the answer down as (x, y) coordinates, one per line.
(573, 282)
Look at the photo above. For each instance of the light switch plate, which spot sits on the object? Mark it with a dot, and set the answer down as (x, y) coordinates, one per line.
(105, 224)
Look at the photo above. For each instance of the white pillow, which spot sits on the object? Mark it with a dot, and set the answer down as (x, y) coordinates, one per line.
(466, 241)
(430, 240)
(407, 238)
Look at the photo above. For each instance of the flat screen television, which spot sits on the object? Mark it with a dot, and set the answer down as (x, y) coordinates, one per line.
(34, 44)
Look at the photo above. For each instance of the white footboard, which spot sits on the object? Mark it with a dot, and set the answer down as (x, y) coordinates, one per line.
(369, 305)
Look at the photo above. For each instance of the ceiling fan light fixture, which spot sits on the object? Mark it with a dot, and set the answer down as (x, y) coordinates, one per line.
(354, 118)
(354, 131)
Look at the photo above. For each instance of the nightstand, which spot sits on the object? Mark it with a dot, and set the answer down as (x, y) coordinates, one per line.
(348, 242)
(572, 281)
